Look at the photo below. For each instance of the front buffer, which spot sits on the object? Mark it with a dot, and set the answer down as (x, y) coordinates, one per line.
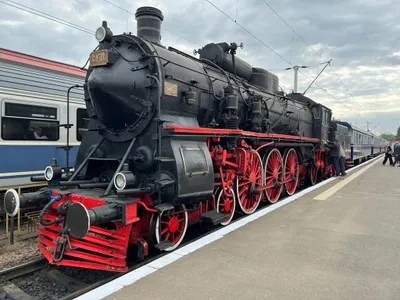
(70, 232)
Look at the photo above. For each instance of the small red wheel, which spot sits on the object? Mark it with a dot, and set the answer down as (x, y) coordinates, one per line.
(226, 203)
(291, 171)
(273, 175)
(171, 225)
(313, 174)
(329, 172)
(247, 192)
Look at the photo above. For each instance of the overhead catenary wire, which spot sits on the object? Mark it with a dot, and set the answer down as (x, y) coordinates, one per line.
(272, 50)
(248, 32)
(83, 29)
(335, 98)
(316, 52)
(45, 15)
(70, 24)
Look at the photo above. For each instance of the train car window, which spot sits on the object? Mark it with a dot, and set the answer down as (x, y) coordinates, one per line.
(81, 115)
(30, 111)
(24, 122)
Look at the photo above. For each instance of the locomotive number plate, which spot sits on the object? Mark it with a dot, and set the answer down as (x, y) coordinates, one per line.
(170, 89)
(99, 58)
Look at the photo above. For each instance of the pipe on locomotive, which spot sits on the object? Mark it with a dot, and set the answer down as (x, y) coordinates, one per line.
(53, 174)
(78, 219)
(13, 202)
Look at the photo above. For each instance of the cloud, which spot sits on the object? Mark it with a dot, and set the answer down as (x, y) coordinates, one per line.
(361, 40)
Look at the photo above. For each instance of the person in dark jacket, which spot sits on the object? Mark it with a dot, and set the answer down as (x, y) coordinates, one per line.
(388, 155)
(396, 152)
(334, 154)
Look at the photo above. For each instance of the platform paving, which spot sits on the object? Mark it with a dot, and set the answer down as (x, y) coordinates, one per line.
(344, 247)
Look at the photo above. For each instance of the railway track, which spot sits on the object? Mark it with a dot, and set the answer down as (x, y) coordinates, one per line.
(39, 280)
(12, 291)
(22, 269)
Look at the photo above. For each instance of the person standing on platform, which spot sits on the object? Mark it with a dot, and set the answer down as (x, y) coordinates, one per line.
(334, 154)
(388, 155)
(396, 152)
(342, 161)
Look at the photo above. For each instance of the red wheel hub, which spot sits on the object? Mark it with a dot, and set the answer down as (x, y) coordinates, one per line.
(173, 224)
(252, 177)
(227, 205)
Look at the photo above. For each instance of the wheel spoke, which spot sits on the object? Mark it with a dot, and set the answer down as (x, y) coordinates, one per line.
(273, 172)
(291, 171)
(172, 227)
(248, 183)
(226, 201)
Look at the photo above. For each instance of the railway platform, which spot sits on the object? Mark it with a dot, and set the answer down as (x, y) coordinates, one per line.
(337, 240)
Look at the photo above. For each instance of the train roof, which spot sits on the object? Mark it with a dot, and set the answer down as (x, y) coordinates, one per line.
(38, 62)
(348, 125)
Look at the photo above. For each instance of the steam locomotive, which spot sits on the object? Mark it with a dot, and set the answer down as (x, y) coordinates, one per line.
(172, 140)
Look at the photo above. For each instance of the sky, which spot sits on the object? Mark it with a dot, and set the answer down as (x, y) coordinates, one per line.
(361, 85)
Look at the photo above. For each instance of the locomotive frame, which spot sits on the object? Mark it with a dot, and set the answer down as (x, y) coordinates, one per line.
(214, 155)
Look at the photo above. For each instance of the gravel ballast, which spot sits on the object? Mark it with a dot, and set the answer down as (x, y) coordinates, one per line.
(22, 251)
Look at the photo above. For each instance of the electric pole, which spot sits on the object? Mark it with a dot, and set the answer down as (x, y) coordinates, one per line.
(296, 75)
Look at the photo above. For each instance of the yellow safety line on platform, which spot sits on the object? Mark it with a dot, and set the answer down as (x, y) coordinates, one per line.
(329, 192)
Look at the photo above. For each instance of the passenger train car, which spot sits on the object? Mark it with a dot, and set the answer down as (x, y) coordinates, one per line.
(359, 144)
(33, 107)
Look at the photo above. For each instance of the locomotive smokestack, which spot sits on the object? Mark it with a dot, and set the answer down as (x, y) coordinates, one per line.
(149, 23)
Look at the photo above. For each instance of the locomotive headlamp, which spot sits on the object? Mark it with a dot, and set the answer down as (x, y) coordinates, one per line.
(53, 172)
(100, 34)
(124, 178)
(103, 33)
(48, 173)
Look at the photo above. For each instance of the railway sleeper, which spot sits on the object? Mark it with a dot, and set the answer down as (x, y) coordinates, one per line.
(15, 293)
(58, 276)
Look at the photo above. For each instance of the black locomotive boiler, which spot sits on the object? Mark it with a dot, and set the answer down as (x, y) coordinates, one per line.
(172, 140)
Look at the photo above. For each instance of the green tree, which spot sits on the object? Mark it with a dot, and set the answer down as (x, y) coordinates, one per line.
(398, 134)
(388, 136)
